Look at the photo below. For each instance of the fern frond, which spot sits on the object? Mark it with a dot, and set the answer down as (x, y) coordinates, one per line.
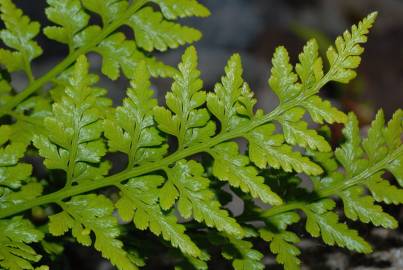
(282, 241)
(197, 176)
(70, 18)
(15, 235)
(73, 141)
(153, 32)
(233, 167)
(186, 183)
(18, 35)
(139, 204)
(109, 10)
(172, 9)
(132, 130)
(242, 254)
(185, 119)
(321, 221)
(92, 213)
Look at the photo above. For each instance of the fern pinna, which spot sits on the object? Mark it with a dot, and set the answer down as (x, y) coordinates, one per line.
(178, 191)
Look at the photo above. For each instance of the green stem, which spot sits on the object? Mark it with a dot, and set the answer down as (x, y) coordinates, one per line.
(73, 152)
(334, 190)
(70, 59)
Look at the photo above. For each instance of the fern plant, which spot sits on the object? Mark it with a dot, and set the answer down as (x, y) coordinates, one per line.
(183, 157)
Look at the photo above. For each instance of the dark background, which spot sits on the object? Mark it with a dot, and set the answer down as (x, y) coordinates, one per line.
(254, 28)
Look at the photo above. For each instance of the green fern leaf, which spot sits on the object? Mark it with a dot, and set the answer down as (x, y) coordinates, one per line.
(15, 234)
(357, 206)
(243, 255)
(173, 9)
(392, 134)
(310, 66)
(71, 18)
(322, 111)
(350, 153)
(383, 191)
(18, 35)
(28, 191)
(92, 213)
(119, 53)
(139, 204)
(283, 81)
(393, 131)
(346, 56)
(12, 173)
(153, 32)
(282, 241)
(374, 143)
(246, 103)
(296, 132)
(16, 185)
(195, 197)
(73, 141)
(29, 117)
(131, 131)
(266, 148)
(223, 102)
(324, 223)
(109, 10)
(282, 245)
(185, 119)
(230, 166)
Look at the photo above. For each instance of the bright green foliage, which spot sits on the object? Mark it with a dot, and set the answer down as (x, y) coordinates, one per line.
(18, 36)
(12, 173)
(310, 66)
(296, 132)
(283, 81)
(184, 119)
(27, 126)
(180, 164)
(323, 222)
(153, 32)
(118, 52)
(383, 191)
(322, 111)
(70, 17)
(363, 208)
(375, 148)
(172, 9)
(91, 213)
(109, 10)
(132, 130)
(282, 244)
(233, 167)
(73, 140)
(15, 234)
(268, 148)
(185, 182)
(139, 203)
(223, 103)
(282, 241)
(16, 185)
(346, 56)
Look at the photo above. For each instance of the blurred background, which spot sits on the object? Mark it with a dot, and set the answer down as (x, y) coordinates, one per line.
(254, 28)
